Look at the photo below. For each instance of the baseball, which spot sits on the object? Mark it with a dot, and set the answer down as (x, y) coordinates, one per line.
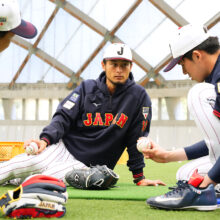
(32, 148)
(143, 143)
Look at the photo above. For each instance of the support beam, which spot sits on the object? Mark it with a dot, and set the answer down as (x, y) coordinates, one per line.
(34, 47)
(44, 57)
(169, 12)
(108, 35)
(79, 15)
(209, 24)
(213, 21)
(175, 88)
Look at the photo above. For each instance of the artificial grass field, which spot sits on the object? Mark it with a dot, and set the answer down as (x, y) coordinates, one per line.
(109, 209)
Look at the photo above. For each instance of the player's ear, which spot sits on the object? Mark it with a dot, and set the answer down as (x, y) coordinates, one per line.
(103, 65)
(196, 55)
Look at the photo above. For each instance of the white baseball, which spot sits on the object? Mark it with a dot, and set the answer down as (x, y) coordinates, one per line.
(32, 148)
(143, 143)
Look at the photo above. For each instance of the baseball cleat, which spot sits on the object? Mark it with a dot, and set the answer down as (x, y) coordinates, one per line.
(186, 196)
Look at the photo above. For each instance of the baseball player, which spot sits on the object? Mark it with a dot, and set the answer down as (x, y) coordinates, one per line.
(11, 24)
(93, 125)
(199, 55)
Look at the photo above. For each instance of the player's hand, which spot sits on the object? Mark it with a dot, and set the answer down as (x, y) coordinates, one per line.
(146, 182)
(40, 143)
(156, 153)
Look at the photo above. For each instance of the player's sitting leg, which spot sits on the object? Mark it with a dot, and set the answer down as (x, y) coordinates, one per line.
(59, 169)
(22, 165)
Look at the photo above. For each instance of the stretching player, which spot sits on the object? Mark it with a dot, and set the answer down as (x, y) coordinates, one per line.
(11, 24)
(93, 125)
(199, 55)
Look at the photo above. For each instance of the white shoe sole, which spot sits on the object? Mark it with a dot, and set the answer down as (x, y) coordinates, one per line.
(202, 208)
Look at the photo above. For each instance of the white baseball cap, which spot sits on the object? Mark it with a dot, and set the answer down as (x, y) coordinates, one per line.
(10, 20)
(185, 39)
(118, 51)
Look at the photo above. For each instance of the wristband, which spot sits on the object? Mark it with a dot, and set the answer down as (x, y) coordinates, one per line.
(136, 180)
(139, 183)
(46, 140)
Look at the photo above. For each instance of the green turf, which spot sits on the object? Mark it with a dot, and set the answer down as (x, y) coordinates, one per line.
(123, 191)
(126, 190)
(97, 209)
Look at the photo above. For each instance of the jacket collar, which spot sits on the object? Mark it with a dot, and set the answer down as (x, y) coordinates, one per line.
(101, 82)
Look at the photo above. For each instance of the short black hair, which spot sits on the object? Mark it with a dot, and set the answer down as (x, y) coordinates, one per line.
(104, 61)
(210, 46)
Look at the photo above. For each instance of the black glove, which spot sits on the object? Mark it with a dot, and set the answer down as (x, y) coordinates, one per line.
(97, 177)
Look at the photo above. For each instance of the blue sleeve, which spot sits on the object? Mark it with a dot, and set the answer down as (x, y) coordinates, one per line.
(63, 118)
(214, 173)
(196, 150)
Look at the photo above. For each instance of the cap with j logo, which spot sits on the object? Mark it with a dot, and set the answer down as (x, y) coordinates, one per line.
(118, 51)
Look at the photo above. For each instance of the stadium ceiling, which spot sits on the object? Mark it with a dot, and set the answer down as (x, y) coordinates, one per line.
(72, 35)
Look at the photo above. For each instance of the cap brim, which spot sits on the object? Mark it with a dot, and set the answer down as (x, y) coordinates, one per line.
(172, 63)
(25, 29)
(117, 58)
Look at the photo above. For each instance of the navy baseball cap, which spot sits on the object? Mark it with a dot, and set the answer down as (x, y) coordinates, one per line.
(10, 20)
(185, 39)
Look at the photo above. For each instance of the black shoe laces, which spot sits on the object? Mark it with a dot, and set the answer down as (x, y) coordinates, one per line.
(181, 185)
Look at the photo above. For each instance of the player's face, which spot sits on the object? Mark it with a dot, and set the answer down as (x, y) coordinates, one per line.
(117, 72)
(194, 68)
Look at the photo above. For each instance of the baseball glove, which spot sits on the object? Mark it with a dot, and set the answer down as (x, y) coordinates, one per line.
(37, 197)
(97, 177)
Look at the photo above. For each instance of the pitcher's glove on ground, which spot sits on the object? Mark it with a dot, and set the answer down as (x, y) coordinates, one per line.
(37, 197)
(97, 177)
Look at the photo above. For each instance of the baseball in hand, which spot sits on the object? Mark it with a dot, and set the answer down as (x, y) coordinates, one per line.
(32, 148)
(143, 143)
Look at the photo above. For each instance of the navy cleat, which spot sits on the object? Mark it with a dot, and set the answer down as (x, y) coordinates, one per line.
(186, 196)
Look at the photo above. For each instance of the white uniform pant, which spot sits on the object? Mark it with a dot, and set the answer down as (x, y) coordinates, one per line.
(54, 161)
(201, 100)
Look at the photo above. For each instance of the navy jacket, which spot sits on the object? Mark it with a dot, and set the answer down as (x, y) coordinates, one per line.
(96, 127)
